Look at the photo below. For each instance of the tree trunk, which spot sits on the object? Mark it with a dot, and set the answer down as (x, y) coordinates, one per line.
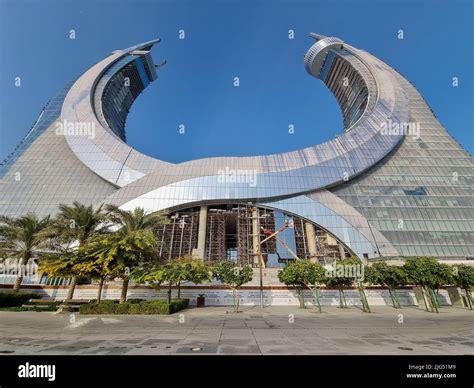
(468, 297)
(17, 285)
(169, 293)
(363, 299)
(393, 296)
(301, 294)
(99, 292)
(342, 299)
(72, 287)
(436, 295)
(235, 300)
(123, 296)
(427, 301)
(434, 300)
(424, 298)
(19, 278)
(238, 299)
(396, 299)
(316, 297)
(179, 290)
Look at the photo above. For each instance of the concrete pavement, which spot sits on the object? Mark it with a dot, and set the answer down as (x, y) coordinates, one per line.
(215, 330)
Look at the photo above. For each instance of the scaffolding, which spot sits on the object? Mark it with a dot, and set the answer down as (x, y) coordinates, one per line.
(300, 236)
(229, 235)
(215, 236)
(179, 237)
(328, 248)
(244, 235)
(267, 222)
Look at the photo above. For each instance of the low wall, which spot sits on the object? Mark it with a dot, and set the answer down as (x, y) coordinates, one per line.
(222, 296)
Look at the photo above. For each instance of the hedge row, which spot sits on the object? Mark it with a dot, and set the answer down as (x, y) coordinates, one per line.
(13, 299)
(39, 309)
(134, 307)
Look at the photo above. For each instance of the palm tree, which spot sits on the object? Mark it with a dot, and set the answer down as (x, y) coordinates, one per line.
(136, 237)
(136, 219)
(23, 238)
(74, 226)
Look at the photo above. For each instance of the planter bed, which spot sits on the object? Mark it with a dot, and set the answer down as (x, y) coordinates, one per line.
(134, 306)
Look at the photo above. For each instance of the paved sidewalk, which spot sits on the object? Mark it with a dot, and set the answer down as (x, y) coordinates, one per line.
(215, 330)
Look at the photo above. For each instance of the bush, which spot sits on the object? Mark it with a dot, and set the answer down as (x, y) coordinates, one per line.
(49, 308)
(13, 299)
(136, 306)
(178, 304)
(14, 308)
(105, 302)
(135, 300)
(33, 306)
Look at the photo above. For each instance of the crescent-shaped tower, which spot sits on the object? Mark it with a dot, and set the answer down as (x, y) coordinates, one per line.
(394, 183)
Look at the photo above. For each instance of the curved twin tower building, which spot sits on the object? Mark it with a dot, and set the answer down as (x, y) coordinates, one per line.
(393, 184)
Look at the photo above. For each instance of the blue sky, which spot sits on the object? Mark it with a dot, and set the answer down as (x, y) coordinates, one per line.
(224, 40)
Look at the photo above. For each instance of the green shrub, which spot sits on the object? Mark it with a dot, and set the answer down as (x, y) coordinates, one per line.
(106, 302)
(152, 307)
(105, 307)
(51, 307)
(178, 304)
(27, 306)
(13, 308)
(12, 299)
(32, 306)
(135, 307)
(52, 302)
(135, 300)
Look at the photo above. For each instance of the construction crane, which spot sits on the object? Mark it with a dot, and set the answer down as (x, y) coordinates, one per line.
(271, 234)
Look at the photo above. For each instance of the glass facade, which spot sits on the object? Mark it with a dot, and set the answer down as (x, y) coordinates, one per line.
(421, 197)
